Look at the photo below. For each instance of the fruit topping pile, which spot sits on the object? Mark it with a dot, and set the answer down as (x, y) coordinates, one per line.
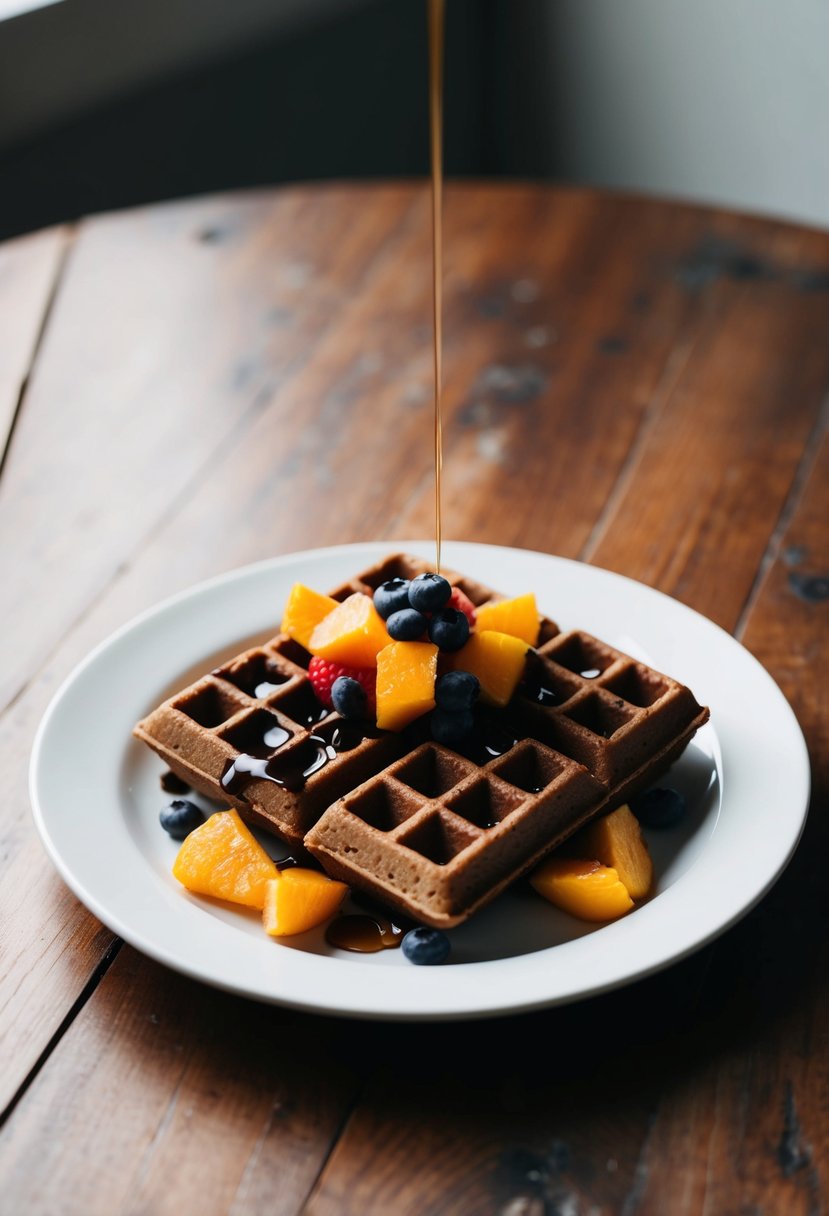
(418, 646)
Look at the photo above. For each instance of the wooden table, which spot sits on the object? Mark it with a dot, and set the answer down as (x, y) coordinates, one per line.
(190, 387)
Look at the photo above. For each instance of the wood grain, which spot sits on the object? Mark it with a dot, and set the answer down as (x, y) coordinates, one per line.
(637, 382)
(29, 269)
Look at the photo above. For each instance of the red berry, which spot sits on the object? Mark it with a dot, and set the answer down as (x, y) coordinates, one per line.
(460, 600)
(322, 673)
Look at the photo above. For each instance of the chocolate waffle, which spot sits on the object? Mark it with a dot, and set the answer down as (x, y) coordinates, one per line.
(432, 831)
(441, 832)
(253, 734)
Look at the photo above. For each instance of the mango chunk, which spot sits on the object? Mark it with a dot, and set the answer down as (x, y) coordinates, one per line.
(586, 889)
(304, 611)
(353, 633)
(298, 900)
(497, 659)
(616, 840)
(222, 859)
(518, 617)
(406, 673)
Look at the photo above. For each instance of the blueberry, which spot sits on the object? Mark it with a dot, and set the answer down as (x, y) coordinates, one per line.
(660, 808)
(349, 697)
(429, 592)
(449, 728)
(391, 597)
(457, 690)
(426, 947)
(180, 818)
(449, 629)
(407, 625)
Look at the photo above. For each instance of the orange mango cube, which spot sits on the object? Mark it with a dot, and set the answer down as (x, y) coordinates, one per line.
(299, 900)
(518, 617)
(304, 611)
(353, 633)
(585, 889)
(497, 659)
(223, 859)
(616, 840)
(406, 673)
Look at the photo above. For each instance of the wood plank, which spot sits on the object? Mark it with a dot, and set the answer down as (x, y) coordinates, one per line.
(167, 335)
(514, 1153)
(748, 1108)
(234, 1080)
(341, 386)
(29, 269)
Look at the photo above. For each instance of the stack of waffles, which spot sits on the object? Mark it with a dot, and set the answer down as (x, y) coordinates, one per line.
(431, 831)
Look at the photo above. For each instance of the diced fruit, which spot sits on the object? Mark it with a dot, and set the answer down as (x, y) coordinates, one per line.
(616, 841)
(659, 808)
(391, 597)
(298, 900)
(407, 625)
(449, 629)
(460, 600)
(518, 617)
(429, 592)
(349, 698)
(352, 633)
(498, 661)
(222, 859)
(405, 683)
(304, 611)
(323, 674)
(425, 947)
(452, 725)
(585, 889)
(457, 690)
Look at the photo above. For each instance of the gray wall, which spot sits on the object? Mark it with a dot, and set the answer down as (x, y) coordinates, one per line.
(716, 100)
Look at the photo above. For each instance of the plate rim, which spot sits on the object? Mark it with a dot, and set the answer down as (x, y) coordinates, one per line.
(357, 1007)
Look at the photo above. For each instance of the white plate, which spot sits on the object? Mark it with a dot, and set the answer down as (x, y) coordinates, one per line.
(96, 799)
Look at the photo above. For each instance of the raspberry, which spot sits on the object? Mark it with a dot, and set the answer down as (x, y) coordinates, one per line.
(458, 599)
(323, 672)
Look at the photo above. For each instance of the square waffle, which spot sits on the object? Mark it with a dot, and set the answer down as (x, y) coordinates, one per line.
(442, 832)
(429, 830)
(252, 733)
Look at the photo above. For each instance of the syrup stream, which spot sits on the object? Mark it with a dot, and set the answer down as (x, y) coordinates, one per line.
(436, 33)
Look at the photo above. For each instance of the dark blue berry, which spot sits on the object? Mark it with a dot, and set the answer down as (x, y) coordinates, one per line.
(349, 697)
(407, 625)
(429, 592)
(451, 727)
(449, 629)
(661, 808)
(180, 818)
(391, 597)
(426, 947)
(457, 690)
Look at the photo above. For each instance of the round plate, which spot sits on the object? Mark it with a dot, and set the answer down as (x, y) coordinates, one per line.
(96, 797)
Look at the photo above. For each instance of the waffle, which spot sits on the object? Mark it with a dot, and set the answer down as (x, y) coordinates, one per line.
(253, 734)
(431, 831)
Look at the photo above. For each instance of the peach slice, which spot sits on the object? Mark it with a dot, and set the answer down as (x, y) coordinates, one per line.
(616, 840)
(298, 900)
(222, 859)
(585, 889)
(518, 617)
(304, 611)
(353, 633)
(497, 659)
(406, 674)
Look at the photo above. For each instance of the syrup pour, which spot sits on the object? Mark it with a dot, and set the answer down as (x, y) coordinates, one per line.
(533, 686)
(436, 24)
(363, 934)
